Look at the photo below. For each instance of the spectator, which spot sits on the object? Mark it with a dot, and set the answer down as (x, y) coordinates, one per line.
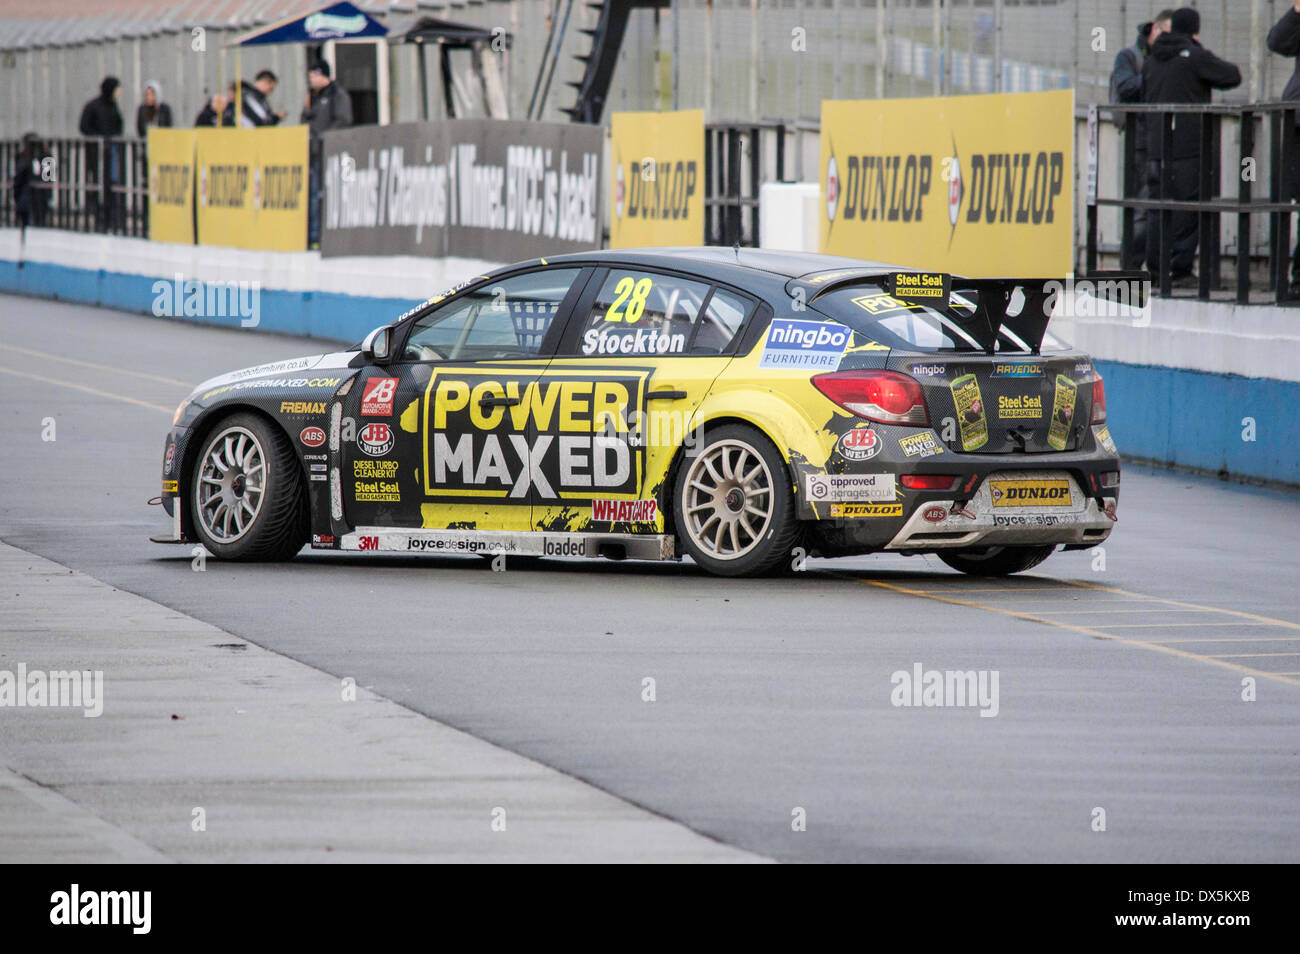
(214, 109)
(153, 111)
(1179, 70)
(1126, 87)
(30, 200)
(1284, 40)
(256, 103)
(328, 107)
(100, 119)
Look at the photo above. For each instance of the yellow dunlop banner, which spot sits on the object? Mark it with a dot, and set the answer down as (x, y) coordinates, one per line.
(252, 190)
(979, 186)
(657, 192)
(171, 185)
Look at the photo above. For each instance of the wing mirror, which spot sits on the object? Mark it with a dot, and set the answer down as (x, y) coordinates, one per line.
(378, 345)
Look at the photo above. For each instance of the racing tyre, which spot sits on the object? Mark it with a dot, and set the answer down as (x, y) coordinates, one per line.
(996, 561)
(247, 494)
(732, 504)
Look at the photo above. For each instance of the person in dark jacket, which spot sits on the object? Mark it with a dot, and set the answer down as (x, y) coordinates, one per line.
(213, 112)
(328, 107)
(1179, 70)
(100, 119)
(1126, 87)
(256, 103)
(30, 200)
(153, 111)
(1284, 40)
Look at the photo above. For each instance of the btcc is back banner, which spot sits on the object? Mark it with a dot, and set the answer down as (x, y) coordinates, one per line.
(980, 186)
(657, 196)
(478, 188)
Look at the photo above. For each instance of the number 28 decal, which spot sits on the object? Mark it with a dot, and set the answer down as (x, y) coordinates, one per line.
(622, 291)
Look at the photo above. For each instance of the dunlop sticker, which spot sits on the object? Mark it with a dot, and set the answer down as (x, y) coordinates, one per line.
(1031, 493)
(970, 412)
(866, 510)
(1062, 412)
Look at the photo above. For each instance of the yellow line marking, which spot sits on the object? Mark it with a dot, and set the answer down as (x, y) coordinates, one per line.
(1233, 639)
(1174, 625)
(1208, 609)
(95, 391)
(101, 367)
(1286, 673)
(996, 589)
(1110, 612)
(1248, 655)
(1089, 631)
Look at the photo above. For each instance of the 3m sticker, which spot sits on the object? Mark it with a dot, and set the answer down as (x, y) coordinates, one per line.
(850, 488)
(970, 412)
(792, 344)
(1062, 412)
(1031, 493)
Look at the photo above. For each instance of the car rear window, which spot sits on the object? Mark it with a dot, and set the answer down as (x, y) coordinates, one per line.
(911, 326)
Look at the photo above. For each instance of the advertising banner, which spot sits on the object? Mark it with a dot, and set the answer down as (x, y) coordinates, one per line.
(171, 185)
(252, 188)
(657, 196)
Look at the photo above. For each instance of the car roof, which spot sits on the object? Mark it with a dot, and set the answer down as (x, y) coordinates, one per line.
(719, 261)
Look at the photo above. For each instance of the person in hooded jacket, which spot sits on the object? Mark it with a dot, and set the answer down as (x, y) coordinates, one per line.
(1126, 87)
(153, 111)
(1284, 40)
(30, 200)
(1179, 70)
(101, 119)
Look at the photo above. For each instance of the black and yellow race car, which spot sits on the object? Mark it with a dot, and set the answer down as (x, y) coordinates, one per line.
(731, 405)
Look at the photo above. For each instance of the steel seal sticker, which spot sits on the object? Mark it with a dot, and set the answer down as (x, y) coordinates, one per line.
(1062, 412)
(970, 412)
(850, 488)
(797, 345)
(1054, 492)
(1020, 406)
(860, 443)
(920, 445)
(1105, 440)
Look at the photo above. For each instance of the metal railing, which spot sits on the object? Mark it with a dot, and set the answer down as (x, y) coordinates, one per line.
(1211, 204)
(83, 185)
(738, 159)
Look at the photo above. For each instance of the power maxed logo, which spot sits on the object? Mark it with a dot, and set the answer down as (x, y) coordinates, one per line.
(509, 433)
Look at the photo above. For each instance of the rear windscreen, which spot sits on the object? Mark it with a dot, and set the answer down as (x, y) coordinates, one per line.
(870, 311)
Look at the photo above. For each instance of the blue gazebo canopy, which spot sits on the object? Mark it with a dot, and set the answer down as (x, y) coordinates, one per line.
(338, 21)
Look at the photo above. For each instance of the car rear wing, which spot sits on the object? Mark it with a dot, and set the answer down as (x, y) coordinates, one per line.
(997, 307)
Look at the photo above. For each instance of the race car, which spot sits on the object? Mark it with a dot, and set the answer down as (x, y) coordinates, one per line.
(745, 408)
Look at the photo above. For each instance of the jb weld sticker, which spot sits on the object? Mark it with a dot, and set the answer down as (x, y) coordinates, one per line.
(970, 412)
(1062, 412)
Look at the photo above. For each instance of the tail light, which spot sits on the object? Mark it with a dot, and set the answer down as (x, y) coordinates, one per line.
(885, 397)
(929, 481)
(1098, 401)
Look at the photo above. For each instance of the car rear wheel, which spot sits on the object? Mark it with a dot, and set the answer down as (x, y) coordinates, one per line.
(996, 561)
(732, 504)
(247, 492)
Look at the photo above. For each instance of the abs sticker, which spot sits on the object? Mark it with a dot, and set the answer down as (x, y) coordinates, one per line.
(377, 398)
(312, 436)
(1062, 412)
(375, 439)
(920, 445)
(850, 488)
(804, 345)
(1030, 493)
(866, 510)
(970, 412)
(860, 443)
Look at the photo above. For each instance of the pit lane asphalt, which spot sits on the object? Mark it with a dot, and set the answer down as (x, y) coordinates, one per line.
(1120, 688)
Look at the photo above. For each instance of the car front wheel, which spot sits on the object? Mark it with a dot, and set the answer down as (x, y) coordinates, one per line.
(247, 492)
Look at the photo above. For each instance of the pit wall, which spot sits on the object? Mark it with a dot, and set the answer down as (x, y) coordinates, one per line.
(1210, 387)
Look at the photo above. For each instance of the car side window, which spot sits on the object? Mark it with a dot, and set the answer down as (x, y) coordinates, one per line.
(646, 313)
(721, 323)
(498, 320)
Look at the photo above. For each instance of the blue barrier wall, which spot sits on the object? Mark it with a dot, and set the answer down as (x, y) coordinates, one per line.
(1187, 418)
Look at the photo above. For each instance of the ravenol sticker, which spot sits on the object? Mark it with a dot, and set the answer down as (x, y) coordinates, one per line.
(866, 510)
(920, 445)
(859, 443)
(850, 488)
(804, 345)
(1030, 493)
(1062, 412)
(970, 412)
(1018, 369)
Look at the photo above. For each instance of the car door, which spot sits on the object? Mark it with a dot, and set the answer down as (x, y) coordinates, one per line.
(641, 351)
(446, 436)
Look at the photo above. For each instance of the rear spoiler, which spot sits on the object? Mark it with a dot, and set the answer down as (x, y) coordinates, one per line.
(993, 297)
